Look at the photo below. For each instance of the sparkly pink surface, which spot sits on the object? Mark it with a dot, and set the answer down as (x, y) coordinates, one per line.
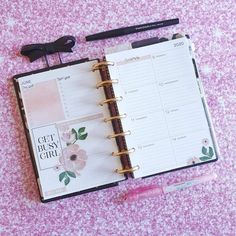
(208, 209)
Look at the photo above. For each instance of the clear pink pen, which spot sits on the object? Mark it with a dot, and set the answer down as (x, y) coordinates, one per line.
(154, 190)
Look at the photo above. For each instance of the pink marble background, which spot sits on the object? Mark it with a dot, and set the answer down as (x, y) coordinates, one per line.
(208, 209)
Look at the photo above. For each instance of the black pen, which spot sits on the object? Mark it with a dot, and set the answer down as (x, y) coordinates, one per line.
(131, 29)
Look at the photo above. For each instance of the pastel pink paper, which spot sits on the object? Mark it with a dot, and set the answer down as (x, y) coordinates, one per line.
(43, 103)
(208, 209)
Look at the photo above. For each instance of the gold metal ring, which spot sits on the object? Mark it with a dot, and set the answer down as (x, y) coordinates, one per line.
(98, 65)
(115, 117)
(110, 100)
(132, 169)
(107, 82)
(119, 134)
(115, 154)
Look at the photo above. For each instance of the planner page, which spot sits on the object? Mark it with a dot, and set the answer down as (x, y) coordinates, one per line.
(67, 130)
(167, 122)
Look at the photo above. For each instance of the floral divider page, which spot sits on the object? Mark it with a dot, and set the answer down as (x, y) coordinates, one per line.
(67, 130)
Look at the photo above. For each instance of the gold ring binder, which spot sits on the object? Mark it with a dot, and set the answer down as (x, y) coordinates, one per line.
(107, 82)
(110, 100)
(115, 154)
(119, 134)
(115, 117)
(98, 65)
(132, 169)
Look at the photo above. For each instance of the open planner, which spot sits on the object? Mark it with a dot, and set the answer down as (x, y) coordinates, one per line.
(92, 123)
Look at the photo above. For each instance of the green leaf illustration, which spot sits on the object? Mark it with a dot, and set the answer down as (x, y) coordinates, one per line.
(81, 130)
(71, 174)
(62, 176)
(73, 131)
(67, 180)
(204, 150)
(211, 153)
(83, 136)
(204, 158)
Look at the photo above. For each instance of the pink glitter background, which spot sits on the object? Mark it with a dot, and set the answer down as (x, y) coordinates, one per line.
(207, 209)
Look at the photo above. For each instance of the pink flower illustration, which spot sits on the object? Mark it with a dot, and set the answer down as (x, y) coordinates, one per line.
(73, 158)
(68, 136)
(205, 142)
(193, 161)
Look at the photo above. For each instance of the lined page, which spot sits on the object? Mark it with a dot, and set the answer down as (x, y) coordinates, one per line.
(164, 107)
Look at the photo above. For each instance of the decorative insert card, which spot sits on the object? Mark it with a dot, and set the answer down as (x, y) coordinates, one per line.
(165, 107)
(67, 129)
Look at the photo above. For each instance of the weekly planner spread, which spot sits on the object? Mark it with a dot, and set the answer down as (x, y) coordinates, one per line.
(93, 123)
